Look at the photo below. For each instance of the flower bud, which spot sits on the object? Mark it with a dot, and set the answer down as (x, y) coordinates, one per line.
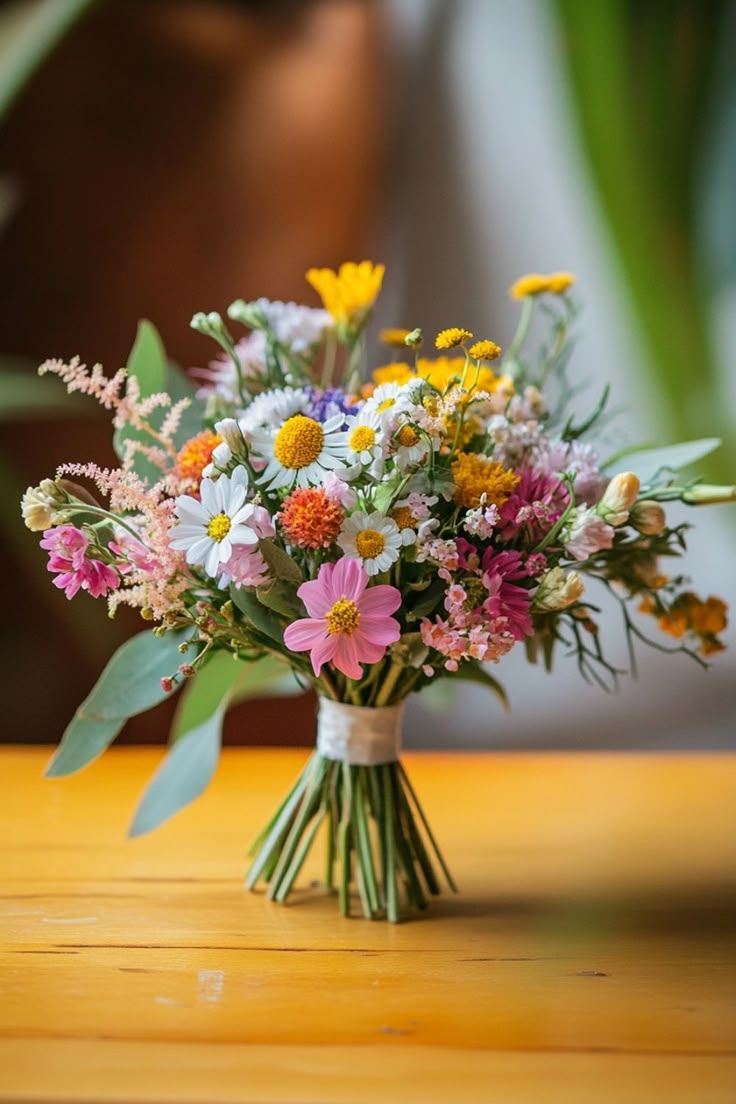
(558, 590)
(249, 314)
(414, 339)
(620, 495)
(39, 505)
(705, 493)
(231, 434)
(648, 517)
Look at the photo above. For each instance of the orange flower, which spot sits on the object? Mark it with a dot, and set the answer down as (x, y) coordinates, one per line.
(194, 456)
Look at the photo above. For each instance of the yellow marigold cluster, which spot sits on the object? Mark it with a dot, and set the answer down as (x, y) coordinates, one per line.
(476, 475)
(485, 350)
(350, 292)
(536, 284)
(449, 339)
(194, 456)
(690, 614)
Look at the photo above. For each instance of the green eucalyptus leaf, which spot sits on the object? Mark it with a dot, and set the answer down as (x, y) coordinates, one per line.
(281, 597)
(130, 684)
(257, 614)
(223, 677)
(646, 463)
(279, 562)
(183, 775)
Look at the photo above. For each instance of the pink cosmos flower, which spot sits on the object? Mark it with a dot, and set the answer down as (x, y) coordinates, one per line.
(347, 624)
(67, 547)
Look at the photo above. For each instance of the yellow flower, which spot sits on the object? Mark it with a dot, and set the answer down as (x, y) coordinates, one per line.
(394, 336)
(536, 284)
(477, 475)
(448, 339)
(485, 350)
(349, 293)
(396, 372)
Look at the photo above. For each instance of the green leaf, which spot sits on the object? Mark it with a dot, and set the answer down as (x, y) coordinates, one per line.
(647, 462)
(224, 677)
(183, 775)
(281, 597)
(147, 362)
(474, 672)
(129, 684)
(279, 562)
(197, 732)
(427, 599)
(259, 616)
(179, 386)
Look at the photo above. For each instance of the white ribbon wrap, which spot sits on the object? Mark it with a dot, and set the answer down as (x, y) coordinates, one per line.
(359, 734)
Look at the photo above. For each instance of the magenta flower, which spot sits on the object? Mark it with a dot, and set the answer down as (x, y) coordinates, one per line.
(347, 624)
(67, 547)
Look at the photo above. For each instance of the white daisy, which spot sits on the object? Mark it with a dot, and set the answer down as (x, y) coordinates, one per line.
(389, 399)
(208, 530)
(374, 539)
(411, 446)
(273, 407)
(301, 452)
(366, 436)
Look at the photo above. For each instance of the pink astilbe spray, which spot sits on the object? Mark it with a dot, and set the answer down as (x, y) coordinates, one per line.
(122, 394)
(155, 574)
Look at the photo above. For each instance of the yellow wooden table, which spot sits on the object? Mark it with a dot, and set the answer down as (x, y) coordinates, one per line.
(588, 958)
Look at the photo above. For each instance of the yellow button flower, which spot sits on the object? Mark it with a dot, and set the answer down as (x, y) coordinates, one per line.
(536, 284)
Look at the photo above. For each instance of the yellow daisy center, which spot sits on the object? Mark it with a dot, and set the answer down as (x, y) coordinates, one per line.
(343, 617)
(370, 543)
(407, 437)
(362, 438)
(218, 527)
(386, 404)
(403, 517)
(299, 442)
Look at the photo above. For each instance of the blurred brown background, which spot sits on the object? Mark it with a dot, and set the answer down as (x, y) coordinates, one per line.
(170, 157)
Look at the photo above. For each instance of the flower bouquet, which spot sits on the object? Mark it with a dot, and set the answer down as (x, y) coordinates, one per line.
(362, 534)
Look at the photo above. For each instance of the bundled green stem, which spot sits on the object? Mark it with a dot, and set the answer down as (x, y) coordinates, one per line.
(377, 836)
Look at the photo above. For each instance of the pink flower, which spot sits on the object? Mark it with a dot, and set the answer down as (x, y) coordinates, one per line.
(347, 624)
(585, 534)
(67, 547)
(537, 503)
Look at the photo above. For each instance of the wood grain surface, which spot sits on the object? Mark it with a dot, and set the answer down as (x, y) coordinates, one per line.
(589, 956)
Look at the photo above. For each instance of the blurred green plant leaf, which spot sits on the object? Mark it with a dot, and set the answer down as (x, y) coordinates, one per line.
(28, 33)
(23, 394)
(130, 684)
(646, 462)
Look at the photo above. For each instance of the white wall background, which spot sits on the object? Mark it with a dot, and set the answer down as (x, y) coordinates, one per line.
(487, 183)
